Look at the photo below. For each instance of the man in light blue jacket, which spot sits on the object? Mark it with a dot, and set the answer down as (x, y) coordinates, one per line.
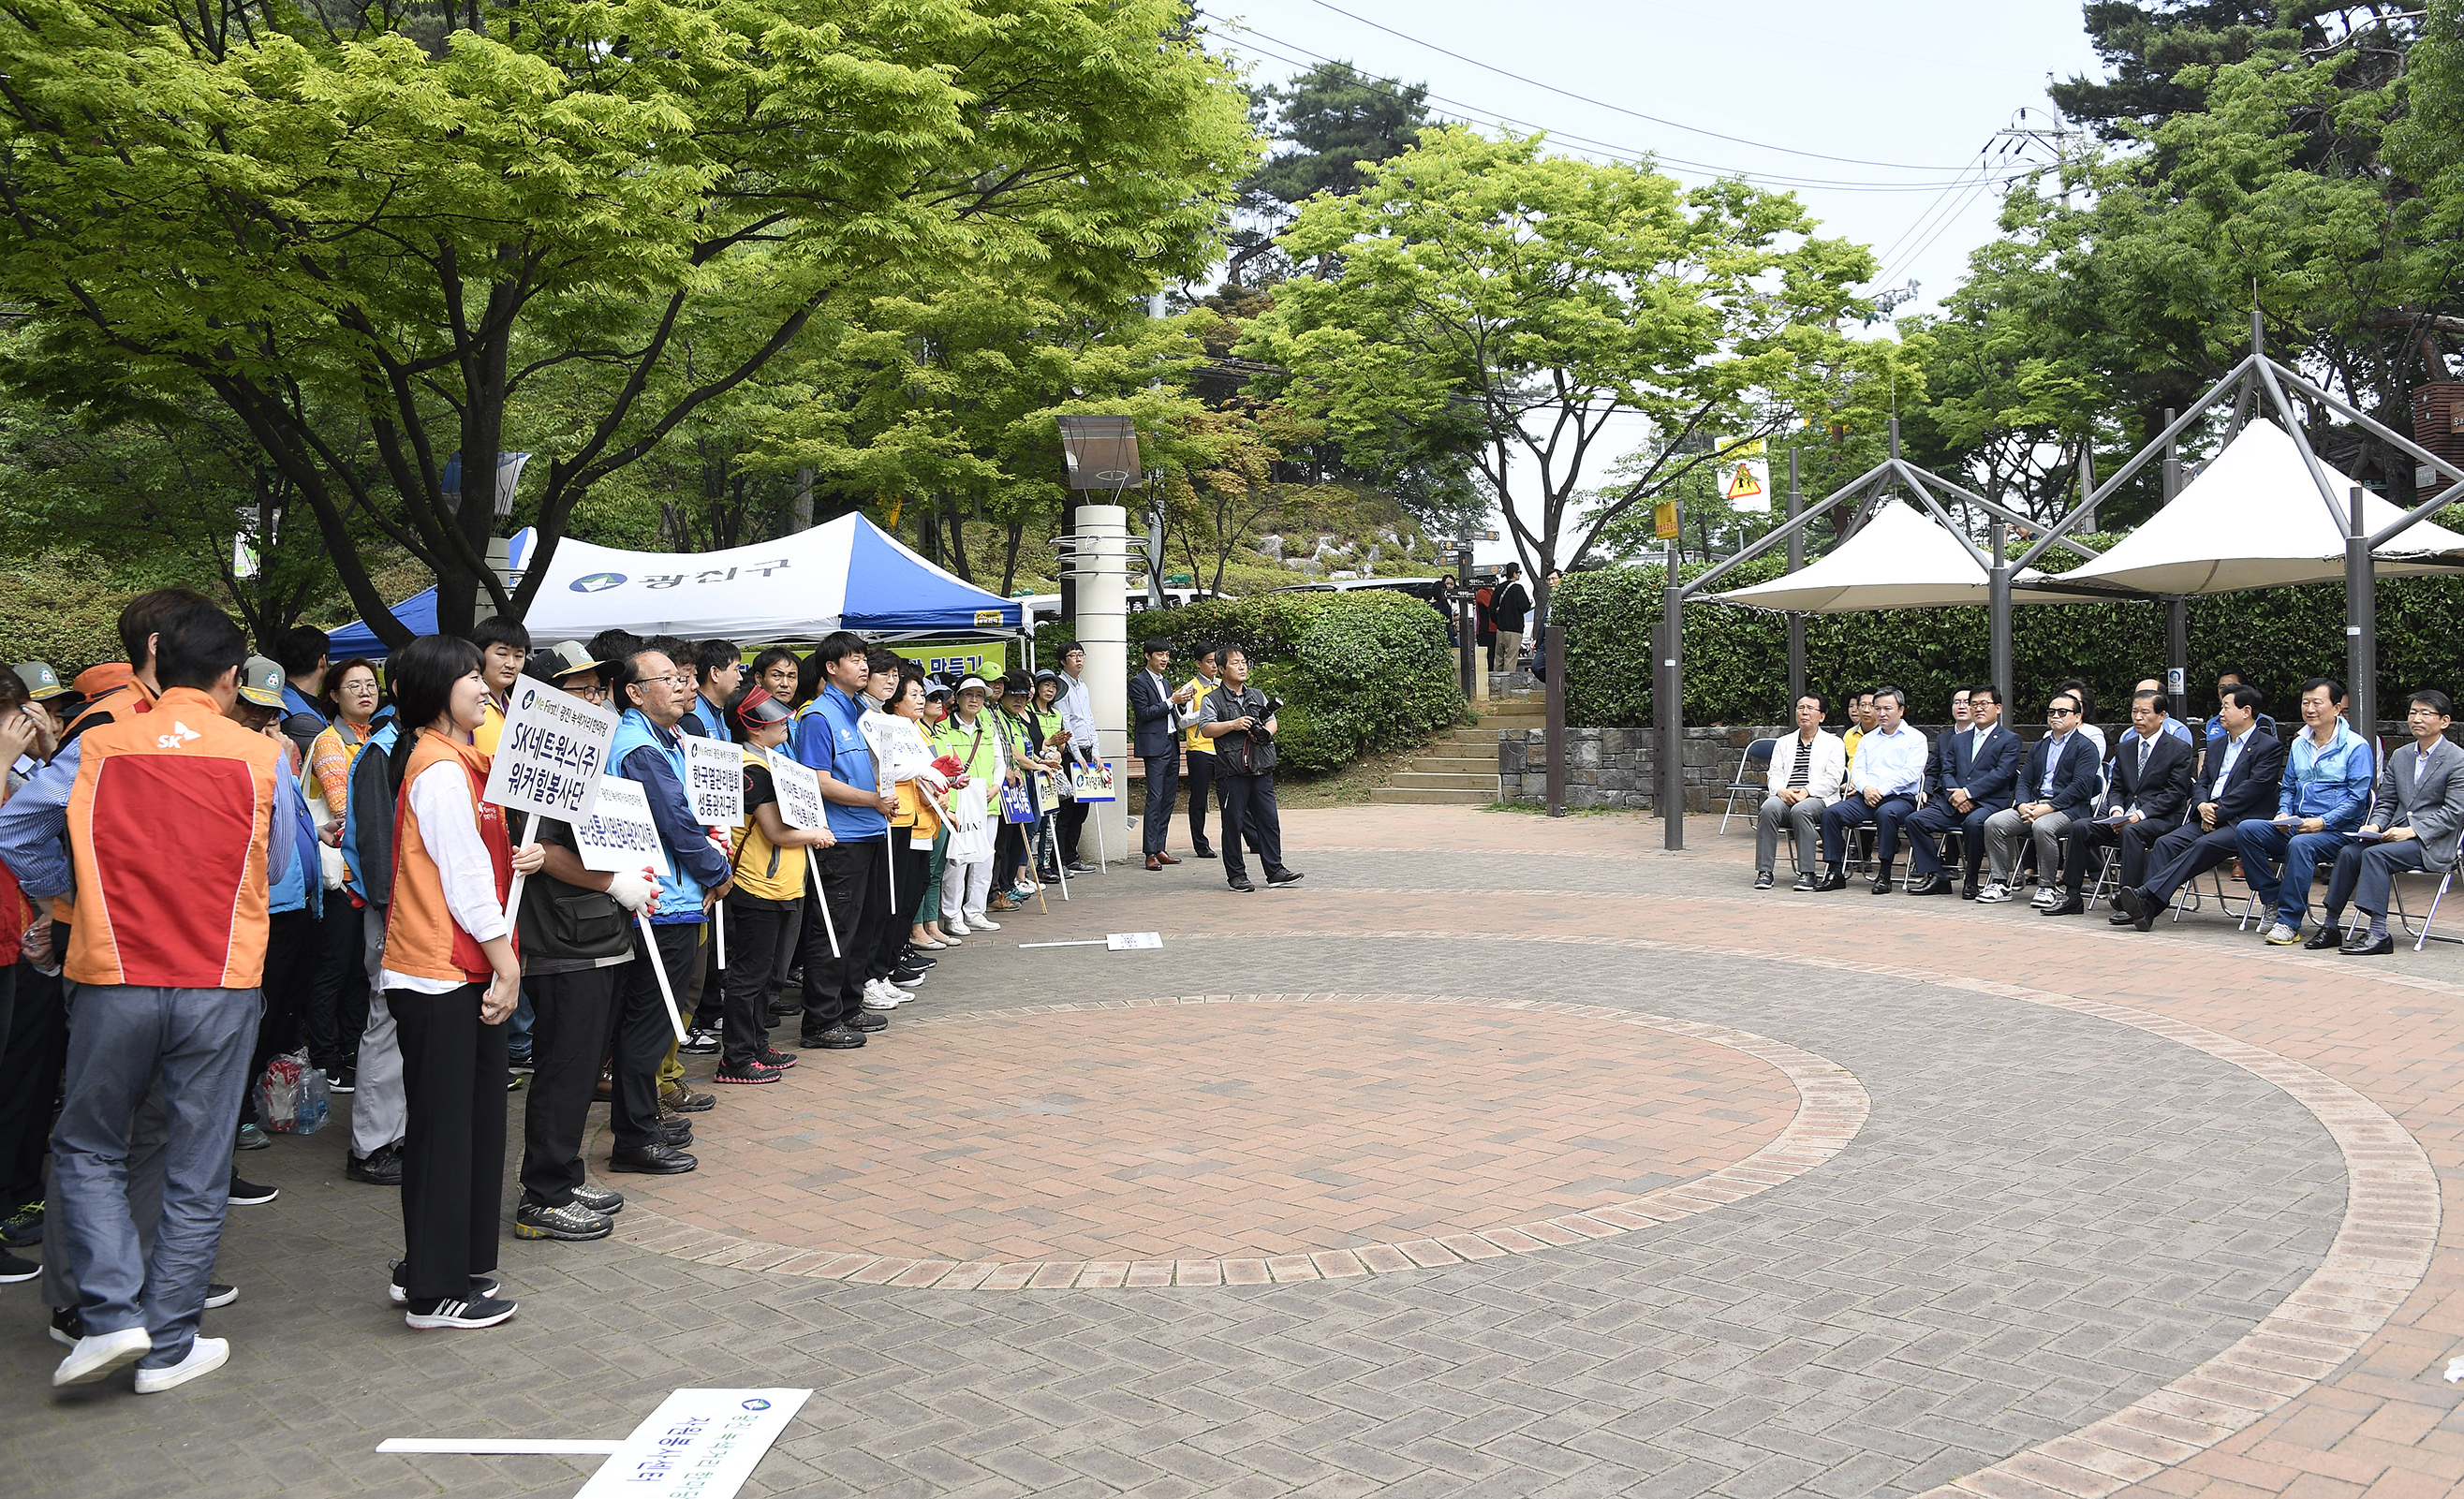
(2325, 790)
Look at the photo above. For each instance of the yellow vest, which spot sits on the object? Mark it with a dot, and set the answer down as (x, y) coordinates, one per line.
(1198, 743)
(761, 867)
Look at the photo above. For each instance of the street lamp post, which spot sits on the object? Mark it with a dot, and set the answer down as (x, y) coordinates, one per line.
(1102, 456)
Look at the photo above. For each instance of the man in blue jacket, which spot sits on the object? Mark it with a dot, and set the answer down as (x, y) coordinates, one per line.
(2323, 794)
(2060, 779)
(1977, 768)
(2238, 781)
(656, 692)
(830, 738)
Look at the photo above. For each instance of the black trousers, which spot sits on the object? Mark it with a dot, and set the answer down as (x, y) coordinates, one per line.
(2187, 852)
(1073, 821)
(834, 984)
(2081, 839)
(1202, 779)
(1010, 846)
(568, 1030)
(753, 927)
(901, 897)
(453, 1152)
(290, 953)
(38, 1053)
(876, 914)
(1249, 813)
(701, 997)
(643, 1033)
(335, 1011)
(1163, 788)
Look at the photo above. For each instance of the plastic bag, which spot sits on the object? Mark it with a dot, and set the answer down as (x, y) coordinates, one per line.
(292, 1098)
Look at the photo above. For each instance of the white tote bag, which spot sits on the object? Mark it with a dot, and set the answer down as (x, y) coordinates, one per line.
(971, 833)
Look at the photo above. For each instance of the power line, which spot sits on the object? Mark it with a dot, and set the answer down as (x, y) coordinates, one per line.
(1475, 113)
(1674, 124)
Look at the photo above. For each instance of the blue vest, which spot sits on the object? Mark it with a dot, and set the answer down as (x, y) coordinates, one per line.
(679, 891)
(303, 885)
(380, 742)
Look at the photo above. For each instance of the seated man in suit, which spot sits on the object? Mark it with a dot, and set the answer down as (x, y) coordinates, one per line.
(1809, 771)
(2415, 818)
(2150, 796)
(1884, 781)
(2323, 794)
(2238, 781)
(2172, 725)
(2059, 781)
(1976, 770)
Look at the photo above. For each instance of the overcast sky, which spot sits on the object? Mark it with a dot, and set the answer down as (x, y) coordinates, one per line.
(1911, 91)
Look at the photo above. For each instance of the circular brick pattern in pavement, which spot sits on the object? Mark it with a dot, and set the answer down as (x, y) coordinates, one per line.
(1236, 1140)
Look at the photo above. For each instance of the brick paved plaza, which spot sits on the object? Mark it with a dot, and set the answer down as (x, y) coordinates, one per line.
(1502, 1157)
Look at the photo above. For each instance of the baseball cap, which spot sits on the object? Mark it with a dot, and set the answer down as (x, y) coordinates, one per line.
(758, 708)
(96, 681)
(936, 692)
(569, 657)
(260, 681)
(42, 682)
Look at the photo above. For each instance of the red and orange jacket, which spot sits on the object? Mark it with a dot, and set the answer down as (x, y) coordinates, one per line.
(168, 823)
(422, 938)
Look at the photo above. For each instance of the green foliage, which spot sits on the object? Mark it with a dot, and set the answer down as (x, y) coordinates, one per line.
(1736, 660)
(1358, 672)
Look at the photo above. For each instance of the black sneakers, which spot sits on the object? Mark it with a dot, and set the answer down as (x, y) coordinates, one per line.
(699, 1042)
(379, 1168)
(23, 1226)
(572, 1223)
(245, 1193)
(600, 1200)
(483, 1287)
(456, 1312)
(13, 1269)
(653, 1161)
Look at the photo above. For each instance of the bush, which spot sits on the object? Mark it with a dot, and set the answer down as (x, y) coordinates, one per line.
(1736, 660)
(1358, 672)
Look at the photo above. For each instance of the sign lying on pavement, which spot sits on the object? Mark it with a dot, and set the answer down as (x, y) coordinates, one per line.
(697, 1445)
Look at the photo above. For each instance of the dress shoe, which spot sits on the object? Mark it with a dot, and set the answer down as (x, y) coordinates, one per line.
(653, 1161)
(1968, 890)
(1761, 879)
(2325, 937)
(1168, 858)
(1882, 884)
(1203, 851)
(1930, 884)
(675, 1132)
(2360, 945)
(1157, 861)
(2073, 906)
(2126, 902)
(1833, 881)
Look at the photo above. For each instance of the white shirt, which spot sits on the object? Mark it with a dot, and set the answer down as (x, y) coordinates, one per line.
(1164, 691)
(1078, 716)
(2054, 749)
(2233, 753)
(441, 796)
(1890, 763)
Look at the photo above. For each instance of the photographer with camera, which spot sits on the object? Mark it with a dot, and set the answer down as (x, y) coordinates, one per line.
(1240, 722)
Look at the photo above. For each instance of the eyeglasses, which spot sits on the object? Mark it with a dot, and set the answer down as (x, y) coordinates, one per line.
(2062, 712)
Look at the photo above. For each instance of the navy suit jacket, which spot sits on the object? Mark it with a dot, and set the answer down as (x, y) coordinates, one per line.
(2250, 790)
(1150, 717)
(1989, 777)
(2166, 795)
(2075, 780)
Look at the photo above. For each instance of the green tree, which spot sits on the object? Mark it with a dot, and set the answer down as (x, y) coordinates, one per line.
(335, 221)
(1336, 119)
(1541, 300)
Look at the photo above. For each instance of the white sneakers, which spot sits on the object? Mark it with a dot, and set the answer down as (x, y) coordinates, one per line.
(952, 927)
(978, 919)
(2050, 895)
(2280, 935)
(102, 1355)
(882, 994)
(205, 1354)
(1993, 894)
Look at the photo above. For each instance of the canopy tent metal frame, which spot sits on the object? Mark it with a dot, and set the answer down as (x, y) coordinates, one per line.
(2257, 376)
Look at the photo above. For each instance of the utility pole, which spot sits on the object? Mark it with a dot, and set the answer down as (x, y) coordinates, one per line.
(2054, 139)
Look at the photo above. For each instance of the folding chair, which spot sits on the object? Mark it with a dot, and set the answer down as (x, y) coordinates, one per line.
(2396, 900)
(1757, 753)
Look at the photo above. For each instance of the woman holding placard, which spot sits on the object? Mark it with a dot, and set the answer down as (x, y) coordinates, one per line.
(450, 979)
(767, 898)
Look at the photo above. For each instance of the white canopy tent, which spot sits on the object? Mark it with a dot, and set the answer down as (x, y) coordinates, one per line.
(1901, 558)
(2253, 520)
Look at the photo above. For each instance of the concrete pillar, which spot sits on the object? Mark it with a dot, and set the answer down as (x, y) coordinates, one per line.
(1100, 567)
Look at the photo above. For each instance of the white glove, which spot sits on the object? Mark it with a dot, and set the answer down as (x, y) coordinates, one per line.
(632, 891)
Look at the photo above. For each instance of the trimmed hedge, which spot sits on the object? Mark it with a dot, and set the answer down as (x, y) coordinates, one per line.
(1736, 660)
(1358, 672)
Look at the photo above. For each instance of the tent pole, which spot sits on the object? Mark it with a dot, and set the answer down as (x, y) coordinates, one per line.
(1998, 607)
(2283, 404)
(2361, 626)
(1795, 560)
(1779, 534)
(1921, 477)
(2177, 609)
(1668, 706)
(2138, 461)
(2394, 439)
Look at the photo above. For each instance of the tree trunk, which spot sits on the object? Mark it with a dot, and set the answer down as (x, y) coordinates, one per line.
(928, 531)
(958, 542)
(1009, 559)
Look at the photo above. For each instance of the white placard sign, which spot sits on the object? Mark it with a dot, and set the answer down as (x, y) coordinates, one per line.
(549, 756)
(1132, 941)
(716, 781)
(800, 793)
(697, 1445)
(619, 834)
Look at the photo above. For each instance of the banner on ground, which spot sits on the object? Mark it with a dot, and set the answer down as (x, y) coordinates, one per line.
(697, 1445)
(550, 754)
(619, 834)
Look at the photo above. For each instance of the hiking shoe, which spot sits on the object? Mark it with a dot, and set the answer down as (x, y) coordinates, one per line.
(599, 1200)
(698, 1042)
(483, 1287)
(23, 1226)
(684, 1101)
(772, 1057)
(205, 1355)
(571, 1222)
(457, 1311)
(751, 1073)
(379, 1168)
(245, 1193)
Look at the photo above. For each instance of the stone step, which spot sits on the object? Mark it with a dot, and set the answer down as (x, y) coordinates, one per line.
(1415, 796)
(1446, 781)
(1455, 764)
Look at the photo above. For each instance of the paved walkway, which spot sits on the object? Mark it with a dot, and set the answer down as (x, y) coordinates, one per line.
(1504, 1156)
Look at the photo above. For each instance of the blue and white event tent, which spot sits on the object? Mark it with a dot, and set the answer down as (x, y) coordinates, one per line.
(846, 574)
